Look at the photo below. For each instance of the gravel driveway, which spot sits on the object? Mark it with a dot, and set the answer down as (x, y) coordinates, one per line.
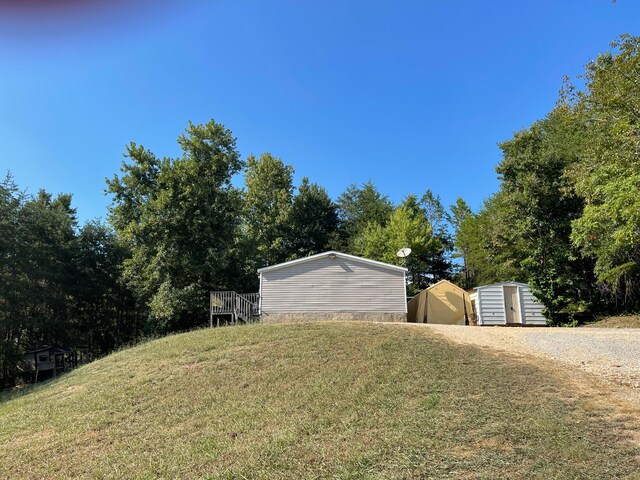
(613, 353)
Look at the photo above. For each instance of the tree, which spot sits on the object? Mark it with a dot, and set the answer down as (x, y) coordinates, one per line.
(460, 214)
(408, 226)
(542, 205)
(440, 265)
(607, 173)
(103, 311)
(567, 214)
(180, 219)
(267, 203)
(494, 249)
(46, 234)
(359, 207)
(312, 221)
(36, 271)
(11, 200)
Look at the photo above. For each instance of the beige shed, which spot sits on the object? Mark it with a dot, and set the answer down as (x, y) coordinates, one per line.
(443, 303)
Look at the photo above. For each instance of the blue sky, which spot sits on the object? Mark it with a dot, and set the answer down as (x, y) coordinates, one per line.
(412, 95)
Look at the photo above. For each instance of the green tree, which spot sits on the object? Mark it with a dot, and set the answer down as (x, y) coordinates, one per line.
(408, 226)
(180, 219)
(567, 214)
(46, 235)
(312, 221)
(267, 204)
(440, 266)
(11, 279)
(36, 270)
(494, 248)
(460, 216)
(359, 207)
(607, 174)
(542, 204)
(104, 314)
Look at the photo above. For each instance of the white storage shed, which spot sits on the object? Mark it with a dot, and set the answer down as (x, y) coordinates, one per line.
(508, 303)
(330, 286)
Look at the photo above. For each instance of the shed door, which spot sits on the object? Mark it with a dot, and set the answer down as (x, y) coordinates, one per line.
(512, 305)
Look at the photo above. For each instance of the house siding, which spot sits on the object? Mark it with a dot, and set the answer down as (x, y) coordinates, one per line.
(333, 285)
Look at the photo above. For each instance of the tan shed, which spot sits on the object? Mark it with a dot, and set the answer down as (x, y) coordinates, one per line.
(443, 303)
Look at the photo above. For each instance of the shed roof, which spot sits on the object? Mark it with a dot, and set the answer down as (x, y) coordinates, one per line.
(327, 254)
(39, 349)
(501, 284)
(448, 283)
(48, 348)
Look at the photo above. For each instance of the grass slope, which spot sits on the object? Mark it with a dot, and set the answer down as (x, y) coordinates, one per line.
(310, 401)
(626, 321)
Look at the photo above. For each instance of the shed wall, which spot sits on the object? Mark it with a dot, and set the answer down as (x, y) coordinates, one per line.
(531, 308)
(333, 285)
(445, 304)
(412, 308)
(490, 304)
(417, 308)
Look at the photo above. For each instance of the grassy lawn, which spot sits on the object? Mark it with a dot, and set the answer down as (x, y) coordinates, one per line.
(333, 400)
(627, 321)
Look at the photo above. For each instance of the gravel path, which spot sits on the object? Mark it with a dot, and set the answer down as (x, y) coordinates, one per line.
(613, 353)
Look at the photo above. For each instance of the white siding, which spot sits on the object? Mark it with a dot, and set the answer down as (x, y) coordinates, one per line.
(531, 308)
(333, 285)
(490, 305)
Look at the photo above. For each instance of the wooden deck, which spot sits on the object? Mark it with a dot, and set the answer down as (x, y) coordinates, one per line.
(238, 306)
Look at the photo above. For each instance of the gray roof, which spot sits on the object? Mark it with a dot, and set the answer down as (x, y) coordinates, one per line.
(327, 254)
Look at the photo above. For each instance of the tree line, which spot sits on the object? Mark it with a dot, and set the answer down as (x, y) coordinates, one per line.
(566, 219)
(59, 283)
(177, 229)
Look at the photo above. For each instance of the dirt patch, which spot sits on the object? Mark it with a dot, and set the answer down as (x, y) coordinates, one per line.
(626, 321)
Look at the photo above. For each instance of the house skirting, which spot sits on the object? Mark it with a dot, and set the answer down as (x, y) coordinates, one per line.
(333, 316)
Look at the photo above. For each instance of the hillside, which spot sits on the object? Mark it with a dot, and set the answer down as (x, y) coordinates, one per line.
(625, 321)
(314, 401)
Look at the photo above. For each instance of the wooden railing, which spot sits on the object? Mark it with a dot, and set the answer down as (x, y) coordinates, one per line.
(250, 297)
(240, 307)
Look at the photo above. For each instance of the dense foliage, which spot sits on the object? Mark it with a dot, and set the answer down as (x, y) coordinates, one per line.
(567, 216)
(181, 220)
(59, 284)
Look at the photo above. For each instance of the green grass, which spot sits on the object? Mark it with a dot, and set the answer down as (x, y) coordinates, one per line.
(332, 400)
(624, 321)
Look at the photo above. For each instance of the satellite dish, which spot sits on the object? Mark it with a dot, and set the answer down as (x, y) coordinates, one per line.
(403, 252)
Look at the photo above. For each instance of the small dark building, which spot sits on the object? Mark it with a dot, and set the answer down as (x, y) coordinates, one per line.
(47, 362)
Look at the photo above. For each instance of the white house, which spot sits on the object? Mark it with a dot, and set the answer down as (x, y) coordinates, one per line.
(508, 303)
(332, 285)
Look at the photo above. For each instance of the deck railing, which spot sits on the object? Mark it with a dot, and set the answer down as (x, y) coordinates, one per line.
(240, 307)
(250, 297)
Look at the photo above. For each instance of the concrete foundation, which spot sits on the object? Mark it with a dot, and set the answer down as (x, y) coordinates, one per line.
(333, 316)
